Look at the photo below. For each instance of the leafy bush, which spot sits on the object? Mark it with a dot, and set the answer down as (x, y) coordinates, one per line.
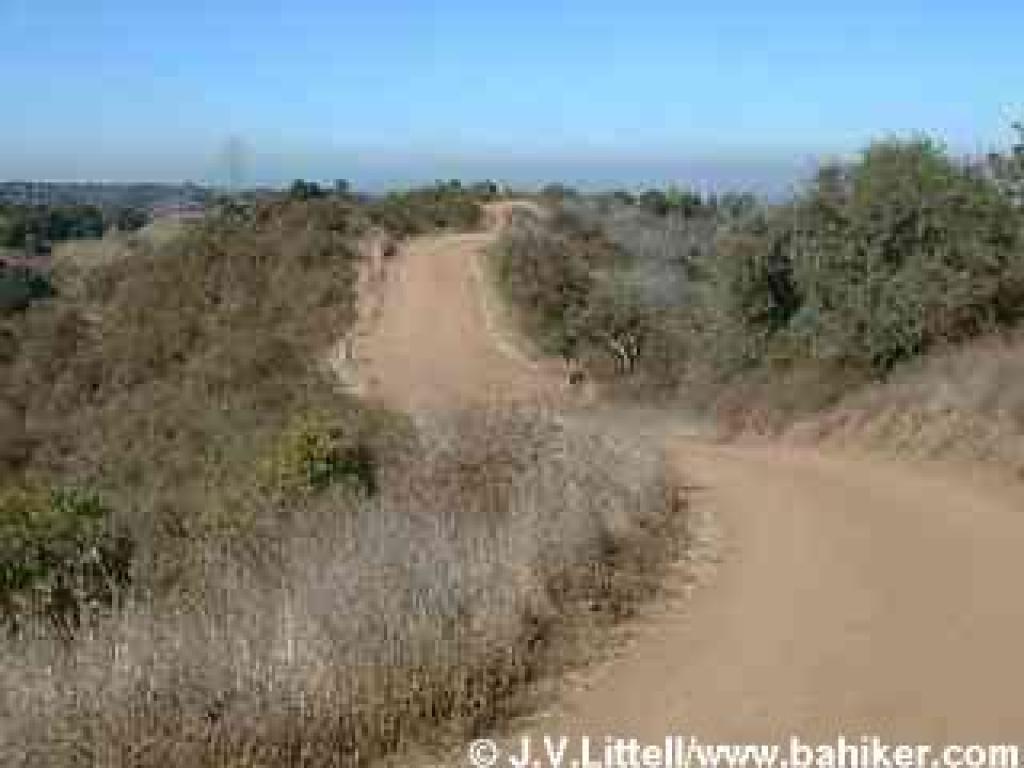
(320, 449)
(129, 219)
(548, 276)
(1008, 168)
(878, 262)
(446, 205)
(745, 295)
(305, 190)
(592, 287)
(23, 225)
(59, 560)
(20, 287)
(312, 456)
(685, 203)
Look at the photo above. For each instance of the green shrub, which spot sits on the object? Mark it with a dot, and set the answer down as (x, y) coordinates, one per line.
(305, 190)
(876, 263)
(1008, 168)
(19, 288)
(550, 273)
(746, 294)
(590, 296)
(549, 282)
(128, 219)
(317, 451)
(59, 560)
(22, 225)
(685, 203)
(446, 205)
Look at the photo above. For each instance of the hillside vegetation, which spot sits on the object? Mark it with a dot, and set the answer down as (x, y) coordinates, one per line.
(875, 263)
(211, 555)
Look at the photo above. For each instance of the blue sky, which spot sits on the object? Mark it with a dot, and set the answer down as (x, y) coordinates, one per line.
(393, 90)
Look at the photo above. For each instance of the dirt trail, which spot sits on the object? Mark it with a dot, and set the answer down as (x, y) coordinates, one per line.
(854, 595)
(434, 343)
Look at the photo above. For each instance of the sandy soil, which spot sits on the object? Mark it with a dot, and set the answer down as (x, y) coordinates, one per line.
(855, 595)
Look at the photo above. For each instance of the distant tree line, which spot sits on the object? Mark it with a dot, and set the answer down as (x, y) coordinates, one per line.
(482, 191)
(670, 201)
(33, 228)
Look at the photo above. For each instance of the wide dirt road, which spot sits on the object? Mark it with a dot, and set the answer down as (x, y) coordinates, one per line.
(854, 596)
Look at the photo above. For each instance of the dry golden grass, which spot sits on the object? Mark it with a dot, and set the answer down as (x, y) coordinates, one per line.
(965, 403)
(352, 626)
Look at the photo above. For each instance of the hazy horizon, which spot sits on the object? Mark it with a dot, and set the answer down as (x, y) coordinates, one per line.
(767, 173)
(592, 94)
